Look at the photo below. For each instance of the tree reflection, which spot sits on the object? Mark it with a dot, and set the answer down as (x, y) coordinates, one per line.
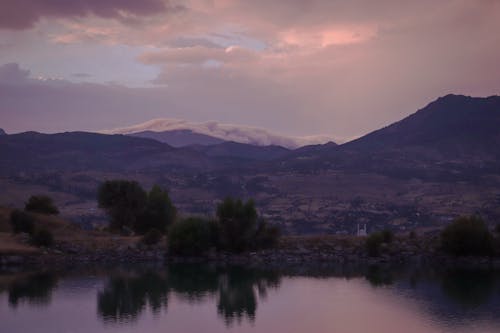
(379, 276)
(125, 296)
(36, 289)
(236, 289)
(469, 288)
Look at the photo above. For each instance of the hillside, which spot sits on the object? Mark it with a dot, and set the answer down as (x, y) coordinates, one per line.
(454, 137)
(81, 151)
(422, 171)
(451, 124)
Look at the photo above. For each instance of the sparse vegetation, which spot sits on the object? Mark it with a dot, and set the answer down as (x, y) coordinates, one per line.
(22, 222)
(467, 236)
(41, 204)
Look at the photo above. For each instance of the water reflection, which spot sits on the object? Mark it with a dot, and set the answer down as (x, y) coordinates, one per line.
(469, 288)
(237, 290)
(124, 294)
(36, 289)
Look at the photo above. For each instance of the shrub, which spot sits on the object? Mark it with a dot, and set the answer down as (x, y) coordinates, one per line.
(413, 234)
(267, 236)
(467, 236)
(238, 224)
(41, 204)
(42, 237)
(191, 236)
(152, 237)
(22, 222)
(373, 243)
(388, 236)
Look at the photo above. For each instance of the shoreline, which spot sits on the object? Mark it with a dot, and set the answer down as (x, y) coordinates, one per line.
(277, 258)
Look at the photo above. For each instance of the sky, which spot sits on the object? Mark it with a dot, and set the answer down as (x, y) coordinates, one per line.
(318, 67)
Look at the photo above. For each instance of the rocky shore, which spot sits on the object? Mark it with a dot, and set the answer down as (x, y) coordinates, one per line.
(292, 251)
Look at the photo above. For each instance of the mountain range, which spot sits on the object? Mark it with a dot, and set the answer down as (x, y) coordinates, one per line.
(441, 161)
(179, 133)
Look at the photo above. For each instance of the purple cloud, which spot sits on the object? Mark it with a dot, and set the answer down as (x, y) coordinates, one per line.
(23, 14)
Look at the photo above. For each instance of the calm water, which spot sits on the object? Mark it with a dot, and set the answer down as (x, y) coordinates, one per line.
(198, 298)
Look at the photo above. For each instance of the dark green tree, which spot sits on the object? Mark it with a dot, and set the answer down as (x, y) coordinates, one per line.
(124, 201)
(237, 224)
(41, 204)
(159, 212)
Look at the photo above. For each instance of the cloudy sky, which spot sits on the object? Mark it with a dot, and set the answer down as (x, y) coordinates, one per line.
(340, 68)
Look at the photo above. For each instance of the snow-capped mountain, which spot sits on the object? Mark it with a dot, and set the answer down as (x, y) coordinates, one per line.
(225, 132)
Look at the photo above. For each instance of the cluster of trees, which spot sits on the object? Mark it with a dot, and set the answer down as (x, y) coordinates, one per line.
(465, 236)
(470, 236)
(236, 228)
(130, 207)
(24, 221)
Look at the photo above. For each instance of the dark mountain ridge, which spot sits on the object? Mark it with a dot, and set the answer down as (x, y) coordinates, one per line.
(451, 123)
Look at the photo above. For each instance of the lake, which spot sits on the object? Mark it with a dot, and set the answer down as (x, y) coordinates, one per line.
(207, 298)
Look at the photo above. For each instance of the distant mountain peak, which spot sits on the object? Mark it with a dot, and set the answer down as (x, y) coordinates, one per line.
(225, 132)
(450, 123)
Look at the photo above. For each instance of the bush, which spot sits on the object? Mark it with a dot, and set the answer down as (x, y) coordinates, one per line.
(467, 236)
(413, 234)
(373, 243)
(22, 222)
(152, 237)
(42, 237)
(191, 236)
(267, 236)
(41, 204)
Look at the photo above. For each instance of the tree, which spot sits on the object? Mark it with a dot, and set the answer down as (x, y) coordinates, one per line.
(237, 223)
(41, 204)
(467, 236)
(124, 201)
(159, 212)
